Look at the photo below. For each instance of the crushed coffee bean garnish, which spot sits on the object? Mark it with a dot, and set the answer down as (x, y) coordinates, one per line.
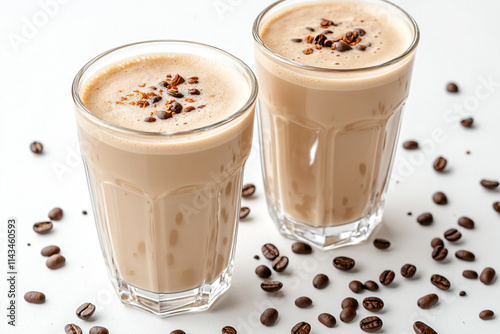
(308, 51)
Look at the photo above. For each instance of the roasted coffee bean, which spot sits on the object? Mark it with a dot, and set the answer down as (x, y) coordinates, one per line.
(437, 242)
(310, 29)
(256, 257)
(162, 114)
(487, 276)
(301, 248)
(163, 84)
(72, 329)
(356, 286)
(410, 145)
(228, 330)
(320, 281)
(440, 282)
(303, 302)
(428, 301)
(55, 261)
(486, 314)
(452, 235)
(248, 190)
(408, 270)
(370, 286)
(42, 227)
(194, 91)
(269, 316)
(263, 271)
(467, 123)
(270, 251)
(341, 46)
(381, 243)
(85, 311)
(343, 263)
(244, 212)
(301, 328)
(280, 264)
(349, 302)
(470, 274)
(425, 219)
(373, 304)
(34, 297)
(440, 198)
(155, 99)
(371, 324)
(271, 286)
(387, 277)
(440, 164)
(153, 87)
(176, 107)
(175, 93)
(360, 47)
(465, 255)
(462, 293)
(178, 331)
(149, 119)
(50, 250)
(36, 147)
(439, 253)
(84, 212)
(178, 80)
(189, 109)
(327, 319)
(296, 40)
(452, 87)
(98, 330)
(56, 214)
(202, 106)
(496, 206)
(488, 184)
(466, 223)
(421, 328)
(348, 314)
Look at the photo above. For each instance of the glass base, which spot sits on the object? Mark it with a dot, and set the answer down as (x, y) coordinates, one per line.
(328, 237)
(168, 304)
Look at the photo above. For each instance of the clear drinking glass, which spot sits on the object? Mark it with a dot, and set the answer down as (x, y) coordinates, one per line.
(166, 205)
(327, 137)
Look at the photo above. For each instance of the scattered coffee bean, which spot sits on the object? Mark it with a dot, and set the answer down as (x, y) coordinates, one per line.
(310, 29)
(439, 253)
(56, 214)
(440, 282)
(486, 314)
(425, 219)
(244, 211)
(370, 286)
(410, 145)
(343, 263)
(149, 119)
(85, 311)
(452, 87)
(155, 99)
(465, 255)
(301, 248)
(163, 84)
(373, 304)
(162, 114)
(496, 206)
(348, 314)
(296, 40)
(428, 301)
(36, 147)
(271, 286)
(178, 331)
(320, 281)
(466, 223)
(228, 330)
(194, 91)
(356, 286)
(440, 164)
(270, 251)
(280, 264)
(303, 302)
(440, 198)
(42, 227)
(467, 123)
(256, 257)
(55, 261)
(452, 235)
(269, 316)
(470, 274)
(421, 328)
(34, 297)
(371, 324)
(327, 319)
(487, 276)
(84, 212)
(263, 271)
(408, 270)
(301, 328)
(72, 329)
(50, 250)
(381, 243)
(387, 277)
(462, 293)
(349, 302)
(437, 242)
(98, 330)
(488, 184)
(248, 190)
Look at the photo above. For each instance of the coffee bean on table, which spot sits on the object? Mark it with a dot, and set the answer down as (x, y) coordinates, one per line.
(381, 243)
(327, 319)
(244, 212)
(85, 311)
(440, 198)
(301, 328)
(280, 264)
(437, 242)
(303, 302)
(349, 302)
(408, 270)
(487, 276)
(356, 286)
(387, 277)
(50, 250)
(270, 251)
(439, 253)
(228, 330)
(263, 271)
(496, 206)
(470, 274)
(256, 257)
(301, 248)
(371, 324)
(98, 330)
(486, 314)
(348, 314)
(452, 235)
(72, 329)
(410, 145)
(452, 87)
(36, 147)
(440, 164)
(320, 281)
(55, 261)
(42, 227)
(428, 301)
(465, 255)
(370, 286)
(34, 297)
(373, 304)
(178, 331)
(462, 293)
(269, 316)
(467, 122)
(421, 328)
(425, 219)
(466, 222)
(248, 190)
(488, 184)
(440, 282)
(56, 214)
(271, 286)
(343, 263)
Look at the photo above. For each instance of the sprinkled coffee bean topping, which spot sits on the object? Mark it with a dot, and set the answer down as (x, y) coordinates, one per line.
(308, 51)
(194, 91)
(149, 119)
(189, 108)
(162, 114)
(296, 40)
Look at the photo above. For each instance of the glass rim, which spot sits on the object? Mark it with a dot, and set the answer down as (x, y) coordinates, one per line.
(413, 45)
(82, 109)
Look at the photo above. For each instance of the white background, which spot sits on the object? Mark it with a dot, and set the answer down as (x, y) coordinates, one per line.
(459, 42)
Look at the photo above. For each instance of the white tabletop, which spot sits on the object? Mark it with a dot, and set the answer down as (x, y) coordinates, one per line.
(37, 64)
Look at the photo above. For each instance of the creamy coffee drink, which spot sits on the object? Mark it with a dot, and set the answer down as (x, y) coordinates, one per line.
(330, 113)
